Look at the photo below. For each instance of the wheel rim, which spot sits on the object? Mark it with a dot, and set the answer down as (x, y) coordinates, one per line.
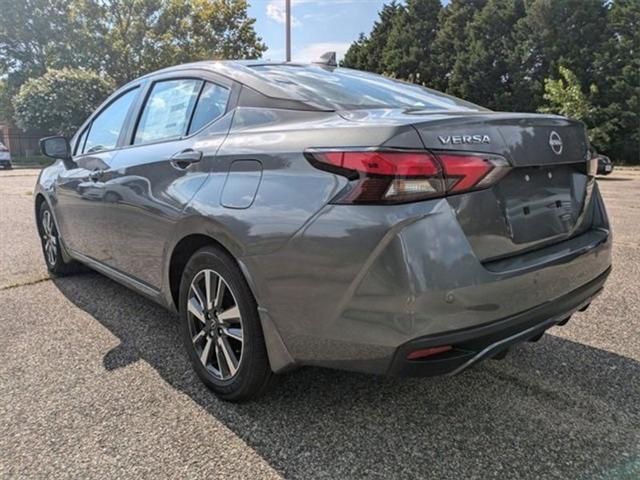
(49, 238)
(215, 324)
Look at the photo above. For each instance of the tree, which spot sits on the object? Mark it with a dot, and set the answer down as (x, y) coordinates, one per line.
(408, 50)
(554, 33)
(451, 38)
(566, 97)
(60, 100)
(617, 74)
(6, 109)
(120, 38)
(367, 54)
(36, 35)
(483, 69)
(139, 36)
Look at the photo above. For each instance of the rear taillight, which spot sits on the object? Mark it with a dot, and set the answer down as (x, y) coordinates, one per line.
(396, 176)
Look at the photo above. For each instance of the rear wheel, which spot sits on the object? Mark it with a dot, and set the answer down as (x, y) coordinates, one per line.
(51, 247)
(221, 328)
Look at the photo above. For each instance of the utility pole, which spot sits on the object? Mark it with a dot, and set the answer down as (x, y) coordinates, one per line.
(288, 28)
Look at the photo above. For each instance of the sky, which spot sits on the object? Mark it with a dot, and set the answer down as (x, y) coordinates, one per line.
(317, 26)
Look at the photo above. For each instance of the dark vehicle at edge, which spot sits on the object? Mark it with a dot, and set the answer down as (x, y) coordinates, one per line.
(302, 214)
(605, 165)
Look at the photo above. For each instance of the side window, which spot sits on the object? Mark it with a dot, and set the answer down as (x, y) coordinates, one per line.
(211, 105)
(105, 128)
(167, 110)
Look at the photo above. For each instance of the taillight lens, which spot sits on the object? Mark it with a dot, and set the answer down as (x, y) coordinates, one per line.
(384, 176)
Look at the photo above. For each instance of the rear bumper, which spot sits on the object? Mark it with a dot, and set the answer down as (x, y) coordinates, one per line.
(472, 345)
(360, 283)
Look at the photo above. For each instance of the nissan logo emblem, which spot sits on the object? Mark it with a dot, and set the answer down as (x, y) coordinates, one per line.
(555, 142)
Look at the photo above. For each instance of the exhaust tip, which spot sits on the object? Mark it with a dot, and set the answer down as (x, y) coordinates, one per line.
(564, 322)
(536, 338)
(585, 307)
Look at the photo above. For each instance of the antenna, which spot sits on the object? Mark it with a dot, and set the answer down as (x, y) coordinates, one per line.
(328, 59)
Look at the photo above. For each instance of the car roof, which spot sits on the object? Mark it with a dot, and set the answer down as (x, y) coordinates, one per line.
(241, 71)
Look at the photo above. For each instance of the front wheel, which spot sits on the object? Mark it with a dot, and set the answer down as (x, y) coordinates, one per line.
(221, 328)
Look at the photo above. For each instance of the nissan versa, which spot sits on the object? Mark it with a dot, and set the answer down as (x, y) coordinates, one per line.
(302, 214)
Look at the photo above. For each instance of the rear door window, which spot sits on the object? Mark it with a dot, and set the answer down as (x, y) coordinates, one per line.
(212, 104)
(167, 110)
(106, 127)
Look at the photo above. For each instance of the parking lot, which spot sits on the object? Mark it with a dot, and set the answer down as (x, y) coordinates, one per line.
(94, 383)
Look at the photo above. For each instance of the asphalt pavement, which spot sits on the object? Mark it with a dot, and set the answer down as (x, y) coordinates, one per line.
(94, 383)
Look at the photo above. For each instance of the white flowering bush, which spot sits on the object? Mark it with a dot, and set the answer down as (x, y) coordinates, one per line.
(60, 100)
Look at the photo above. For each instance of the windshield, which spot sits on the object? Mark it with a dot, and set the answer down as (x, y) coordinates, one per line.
(348, 89)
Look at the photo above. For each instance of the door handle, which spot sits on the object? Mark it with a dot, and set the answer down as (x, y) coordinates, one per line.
(185, 158)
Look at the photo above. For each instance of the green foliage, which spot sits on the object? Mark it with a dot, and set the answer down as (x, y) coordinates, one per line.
(555, 33)
(407, 50)
(617, 67)
(451, 37)
(367, 52)
(6, 109)
(565, 97)
(579, 58)
(484, 67)
(60, 100)
(138, 36)
(119, 39)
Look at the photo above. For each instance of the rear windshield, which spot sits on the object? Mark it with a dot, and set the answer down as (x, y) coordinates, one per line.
(347, 89)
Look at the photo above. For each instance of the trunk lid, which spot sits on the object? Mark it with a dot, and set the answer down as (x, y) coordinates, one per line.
(543, 200)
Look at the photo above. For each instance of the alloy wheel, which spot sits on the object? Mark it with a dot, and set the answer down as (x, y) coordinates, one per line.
(49, 238)
(215, 324)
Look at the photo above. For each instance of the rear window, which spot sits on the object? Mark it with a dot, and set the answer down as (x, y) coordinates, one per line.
(352, 89)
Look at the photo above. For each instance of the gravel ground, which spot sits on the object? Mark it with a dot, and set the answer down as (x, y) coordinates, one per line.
(94, 383)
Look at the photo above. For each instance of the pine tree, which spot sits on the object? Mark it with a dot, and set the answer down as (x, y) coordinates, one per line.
(408, 52)
(367, 53)
(451, 38)
(555, 33)
(483, 69)
(617, 74)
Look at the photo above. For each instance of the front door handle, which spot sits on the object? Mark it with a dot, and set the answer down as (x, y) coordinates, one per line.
(185, 158)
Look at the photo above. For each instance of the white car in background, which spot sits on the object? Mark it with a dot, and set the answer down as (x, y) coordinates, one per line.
(5, 157)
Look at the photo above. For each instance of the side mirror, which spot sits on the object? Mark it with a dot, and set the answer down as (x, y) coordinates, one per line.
(58, 148)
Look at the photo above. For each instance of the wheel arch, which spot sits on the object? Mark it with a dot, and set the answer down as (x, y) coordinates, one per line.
(40, 199)
(182, 251)
(279, 357)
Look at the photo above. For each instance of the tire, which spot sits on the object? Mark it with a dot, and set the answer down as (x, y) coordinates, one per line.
(51, 244)
(222, 332)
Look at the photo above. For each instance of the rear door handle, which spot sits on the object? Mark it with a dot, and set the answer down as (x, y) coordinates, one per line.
(185, 158)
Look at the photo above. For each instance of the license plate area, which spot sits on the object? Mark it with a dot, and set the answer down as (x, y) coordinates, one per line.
(541, 202)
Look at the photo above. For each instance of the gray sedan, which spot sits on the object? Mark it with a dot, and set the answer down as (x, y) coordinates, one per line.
(304, 214)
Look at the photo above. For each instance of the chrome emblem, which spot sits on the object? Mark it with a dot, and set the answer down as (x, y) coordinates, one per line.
(555, 142)
(460, 139)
